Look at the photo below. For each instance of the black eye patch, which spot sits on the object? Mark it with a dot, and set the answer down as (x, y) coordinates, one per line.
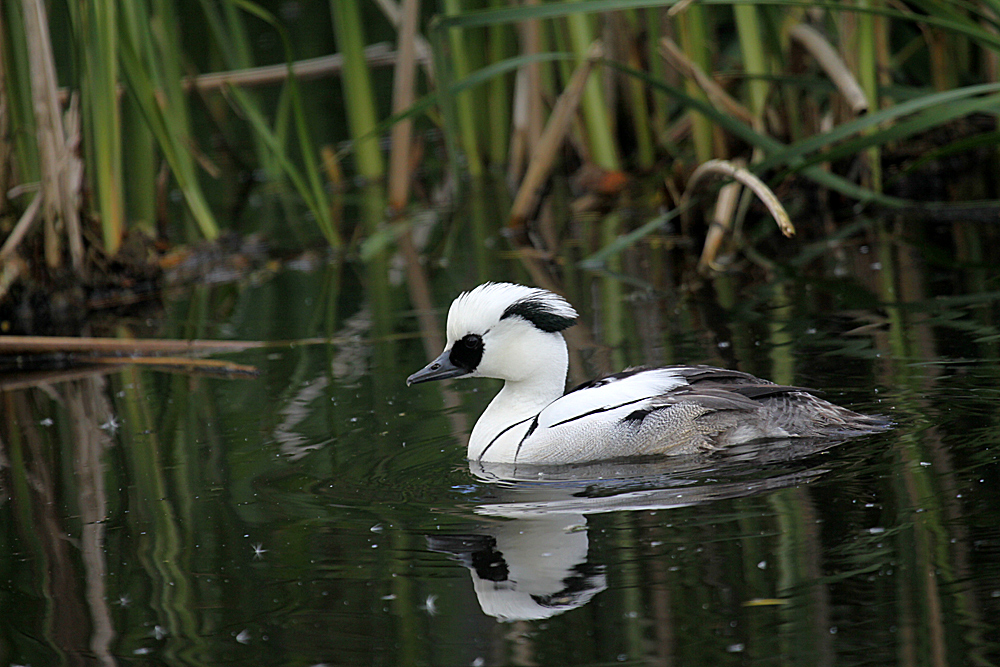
(467, 352)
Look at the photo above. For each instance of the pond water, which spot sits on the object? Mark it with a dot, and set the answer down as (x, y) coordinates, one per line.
(324, 513)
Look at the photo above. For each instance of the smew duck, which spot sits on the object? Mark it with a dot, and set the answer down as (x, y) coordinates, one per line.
(513, 333)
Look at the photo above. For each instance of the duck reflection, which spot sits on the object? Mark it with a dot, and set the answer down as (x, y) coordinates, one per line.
(530, 556)
(530, 568)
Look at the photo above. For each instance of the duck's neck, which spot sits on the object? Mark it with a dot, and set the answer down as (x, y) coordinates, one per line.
(522, 398)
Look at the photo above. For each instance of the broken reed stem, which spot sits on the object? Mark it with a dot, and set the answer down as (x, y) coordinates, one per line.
(544, 153)
(145, 346)
(376, 55)
(715, 93)
(10, 270)
(22, 227)
(830, 62)
(215, 366)
(727, 169)
(17, 344)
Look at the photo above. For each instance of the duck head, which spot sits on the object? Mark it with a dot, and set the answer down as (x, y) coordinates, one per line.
(504, 331)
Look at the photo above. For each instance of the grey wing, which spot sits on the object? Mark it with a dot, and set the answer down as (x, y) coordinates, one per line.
(723, 408)
(687, 421)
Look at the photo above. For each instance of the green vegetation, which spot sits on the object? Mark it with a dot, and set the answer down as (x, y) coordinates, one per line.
(189, 512)
(814, 91)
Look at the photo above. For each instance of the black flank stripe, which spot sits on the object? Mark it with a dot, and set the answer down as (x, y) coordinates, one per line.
(531, 429)
(599, 410)
(501, 433)
(637, 415)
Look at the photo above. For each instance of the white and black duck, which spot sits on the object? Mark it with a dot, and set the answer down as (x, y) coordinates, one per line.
(512, 332)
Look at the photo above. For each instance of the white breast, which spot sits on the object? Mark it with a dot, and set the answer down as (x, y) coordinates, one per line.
(584, 424)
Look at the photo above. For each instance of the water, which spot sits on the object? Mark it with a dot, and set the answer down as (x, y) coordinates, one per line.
(324, 513)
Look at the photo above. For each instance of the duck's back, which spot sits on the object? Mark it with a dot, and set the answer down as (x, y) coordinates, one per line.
(677, 410)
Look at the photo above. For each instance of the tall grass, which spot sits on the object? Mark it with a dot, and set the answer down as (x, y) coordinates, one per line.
(742, 86)
(765, 72)
(358, 99)
(96, 28)
(127, 65)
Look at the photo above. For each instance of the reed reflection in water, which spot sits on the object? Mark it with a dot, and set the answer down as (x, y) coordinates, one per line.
(323, 513)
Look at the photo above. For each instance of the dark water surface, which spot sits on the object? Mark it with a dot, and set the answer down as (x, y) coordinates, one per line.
(324, 513)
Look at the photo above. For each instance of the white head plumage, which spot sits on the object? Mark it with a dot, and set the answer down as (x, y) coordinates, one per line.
(481, 308)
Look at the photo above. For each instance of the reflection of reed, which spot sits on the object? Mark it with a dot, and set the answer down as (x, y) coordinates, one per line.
(933, 545)
(660, 585)
(89, 408)
(162, 513)
(806, 635)
(35, 498)
(430, 330)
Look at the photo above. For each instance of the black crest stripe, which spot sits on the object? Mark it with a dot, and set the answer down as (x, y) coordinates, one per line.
(539, 314)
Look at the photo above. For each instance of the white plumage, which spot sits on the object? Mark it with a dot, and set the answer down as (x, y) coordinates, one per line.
(512, 332)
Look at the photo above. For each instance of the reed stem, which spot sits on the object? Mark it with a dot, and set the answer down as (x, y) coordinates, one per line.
(402, 98)
(356, 81)
(868, 77)
(603, 148)
(754, 56)
(693, 32)
(466, 115)
(499, 98)
(96, 27)
(644, 154)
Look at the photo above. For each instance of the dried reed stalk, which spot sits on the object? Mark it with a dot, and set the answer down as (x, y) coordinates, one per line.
(376, 55)
(60, 165)
(144, 346)
(716, 94)
(424, 53)
(23, 226)
(722, 223)
(830, 61)
(544, 153)
(403, 83)
(726, 169)
(16, 344)
(214, 366)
